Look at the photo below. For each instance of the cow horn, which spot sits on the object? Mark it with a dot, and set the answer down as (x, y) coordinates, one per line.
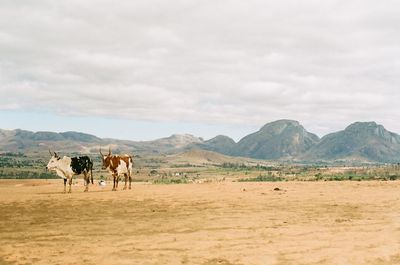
(55, 154)
(101, 152)
(109, 151)
(50, 153)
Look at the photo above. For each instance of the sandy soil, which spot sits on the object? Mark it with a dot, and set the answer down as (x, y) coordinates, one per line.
(213, 223)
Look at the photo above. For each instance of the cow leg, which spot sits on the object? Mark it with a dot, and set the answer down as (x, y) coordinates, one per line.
(86, 180)
(70, 183)
(115, 179)
(65, 185)
(126, 180)
(91, 175)
(130, 180)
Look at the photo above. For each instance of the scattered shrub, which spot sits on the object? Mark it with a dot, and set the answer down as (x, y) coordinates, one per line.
(262, 178)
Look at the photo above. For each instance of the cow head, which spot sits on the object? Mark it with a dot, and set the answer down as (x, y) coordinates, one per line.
(53, 162)
(105, 159)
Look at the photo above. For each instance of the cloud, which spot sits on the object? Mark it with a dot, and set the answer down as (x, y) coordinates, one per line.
(228, 62)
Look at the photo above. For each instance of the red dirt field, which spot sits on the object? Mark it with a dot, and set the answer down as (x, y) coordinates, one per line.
(212, 223)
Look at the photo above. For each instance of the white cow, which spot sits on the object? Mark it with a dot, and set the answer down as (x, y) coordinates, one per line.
(67, 167)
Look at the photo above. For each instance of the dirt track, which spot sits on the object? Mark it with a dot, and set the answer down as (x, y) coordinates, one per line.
(216, 223)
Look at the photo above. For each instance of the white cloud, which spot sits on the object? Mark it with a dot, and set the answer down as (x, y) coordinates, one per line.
(231, 62)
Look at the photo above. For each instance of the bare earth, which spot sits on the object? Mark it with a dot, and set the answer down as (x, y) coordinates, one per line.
(213, 223)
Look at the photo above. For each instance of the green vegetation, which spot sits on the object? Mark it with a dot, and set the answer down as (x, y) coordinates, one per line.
(19, 160)
(359, 175)
(20, 166)
(242, 166)
(25, 174)
(171, 181)
(160, 171)
(183, 165)
(262, 178)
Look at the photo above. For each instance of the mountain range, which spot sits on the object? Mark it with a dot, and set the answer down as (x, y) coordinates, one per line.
(283, 140)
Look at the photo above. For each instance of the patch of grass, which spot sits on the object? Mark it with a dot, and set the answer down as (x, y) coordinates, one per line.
(394, 177)
(343, 177)
(183, 165)
(242, 166)
(170, 181)
(14, 173)
(262, 178)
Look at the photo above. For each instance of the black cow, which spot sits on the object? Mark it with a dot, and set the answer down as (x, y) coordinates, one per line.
(82, 164)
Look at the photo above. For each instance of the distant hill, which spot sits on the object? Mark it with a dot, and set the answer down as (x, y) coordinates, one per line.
(176, 141)
(282, 139)
(34, 142)
(366, 141)
(76, 142)
(201, 157)
(81, 137)
(221, 144)
(169, 145)
(52, 136)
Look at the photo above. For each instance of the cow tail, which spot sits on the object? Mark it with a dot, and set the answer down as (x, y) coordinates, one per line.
(131, 167)
(91, 172)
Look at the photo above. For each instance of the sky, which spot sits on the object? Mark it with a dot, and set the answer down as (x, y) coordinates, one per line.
(142, 70)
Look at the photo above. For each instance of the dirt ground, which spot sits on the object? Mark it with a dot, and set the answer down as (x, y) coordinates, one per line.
(212, 223)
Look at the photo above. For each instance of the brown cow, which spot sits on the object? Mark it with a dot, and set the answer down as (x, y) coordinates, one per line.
(118, 165)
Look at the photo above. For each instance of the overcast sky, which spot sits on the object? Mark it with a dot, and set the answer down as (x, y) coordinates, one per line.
(146, 69)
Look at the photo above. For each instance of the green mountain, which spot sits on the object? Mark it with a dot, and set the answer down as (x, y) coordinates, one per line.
(282, 139)
(362, 141)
